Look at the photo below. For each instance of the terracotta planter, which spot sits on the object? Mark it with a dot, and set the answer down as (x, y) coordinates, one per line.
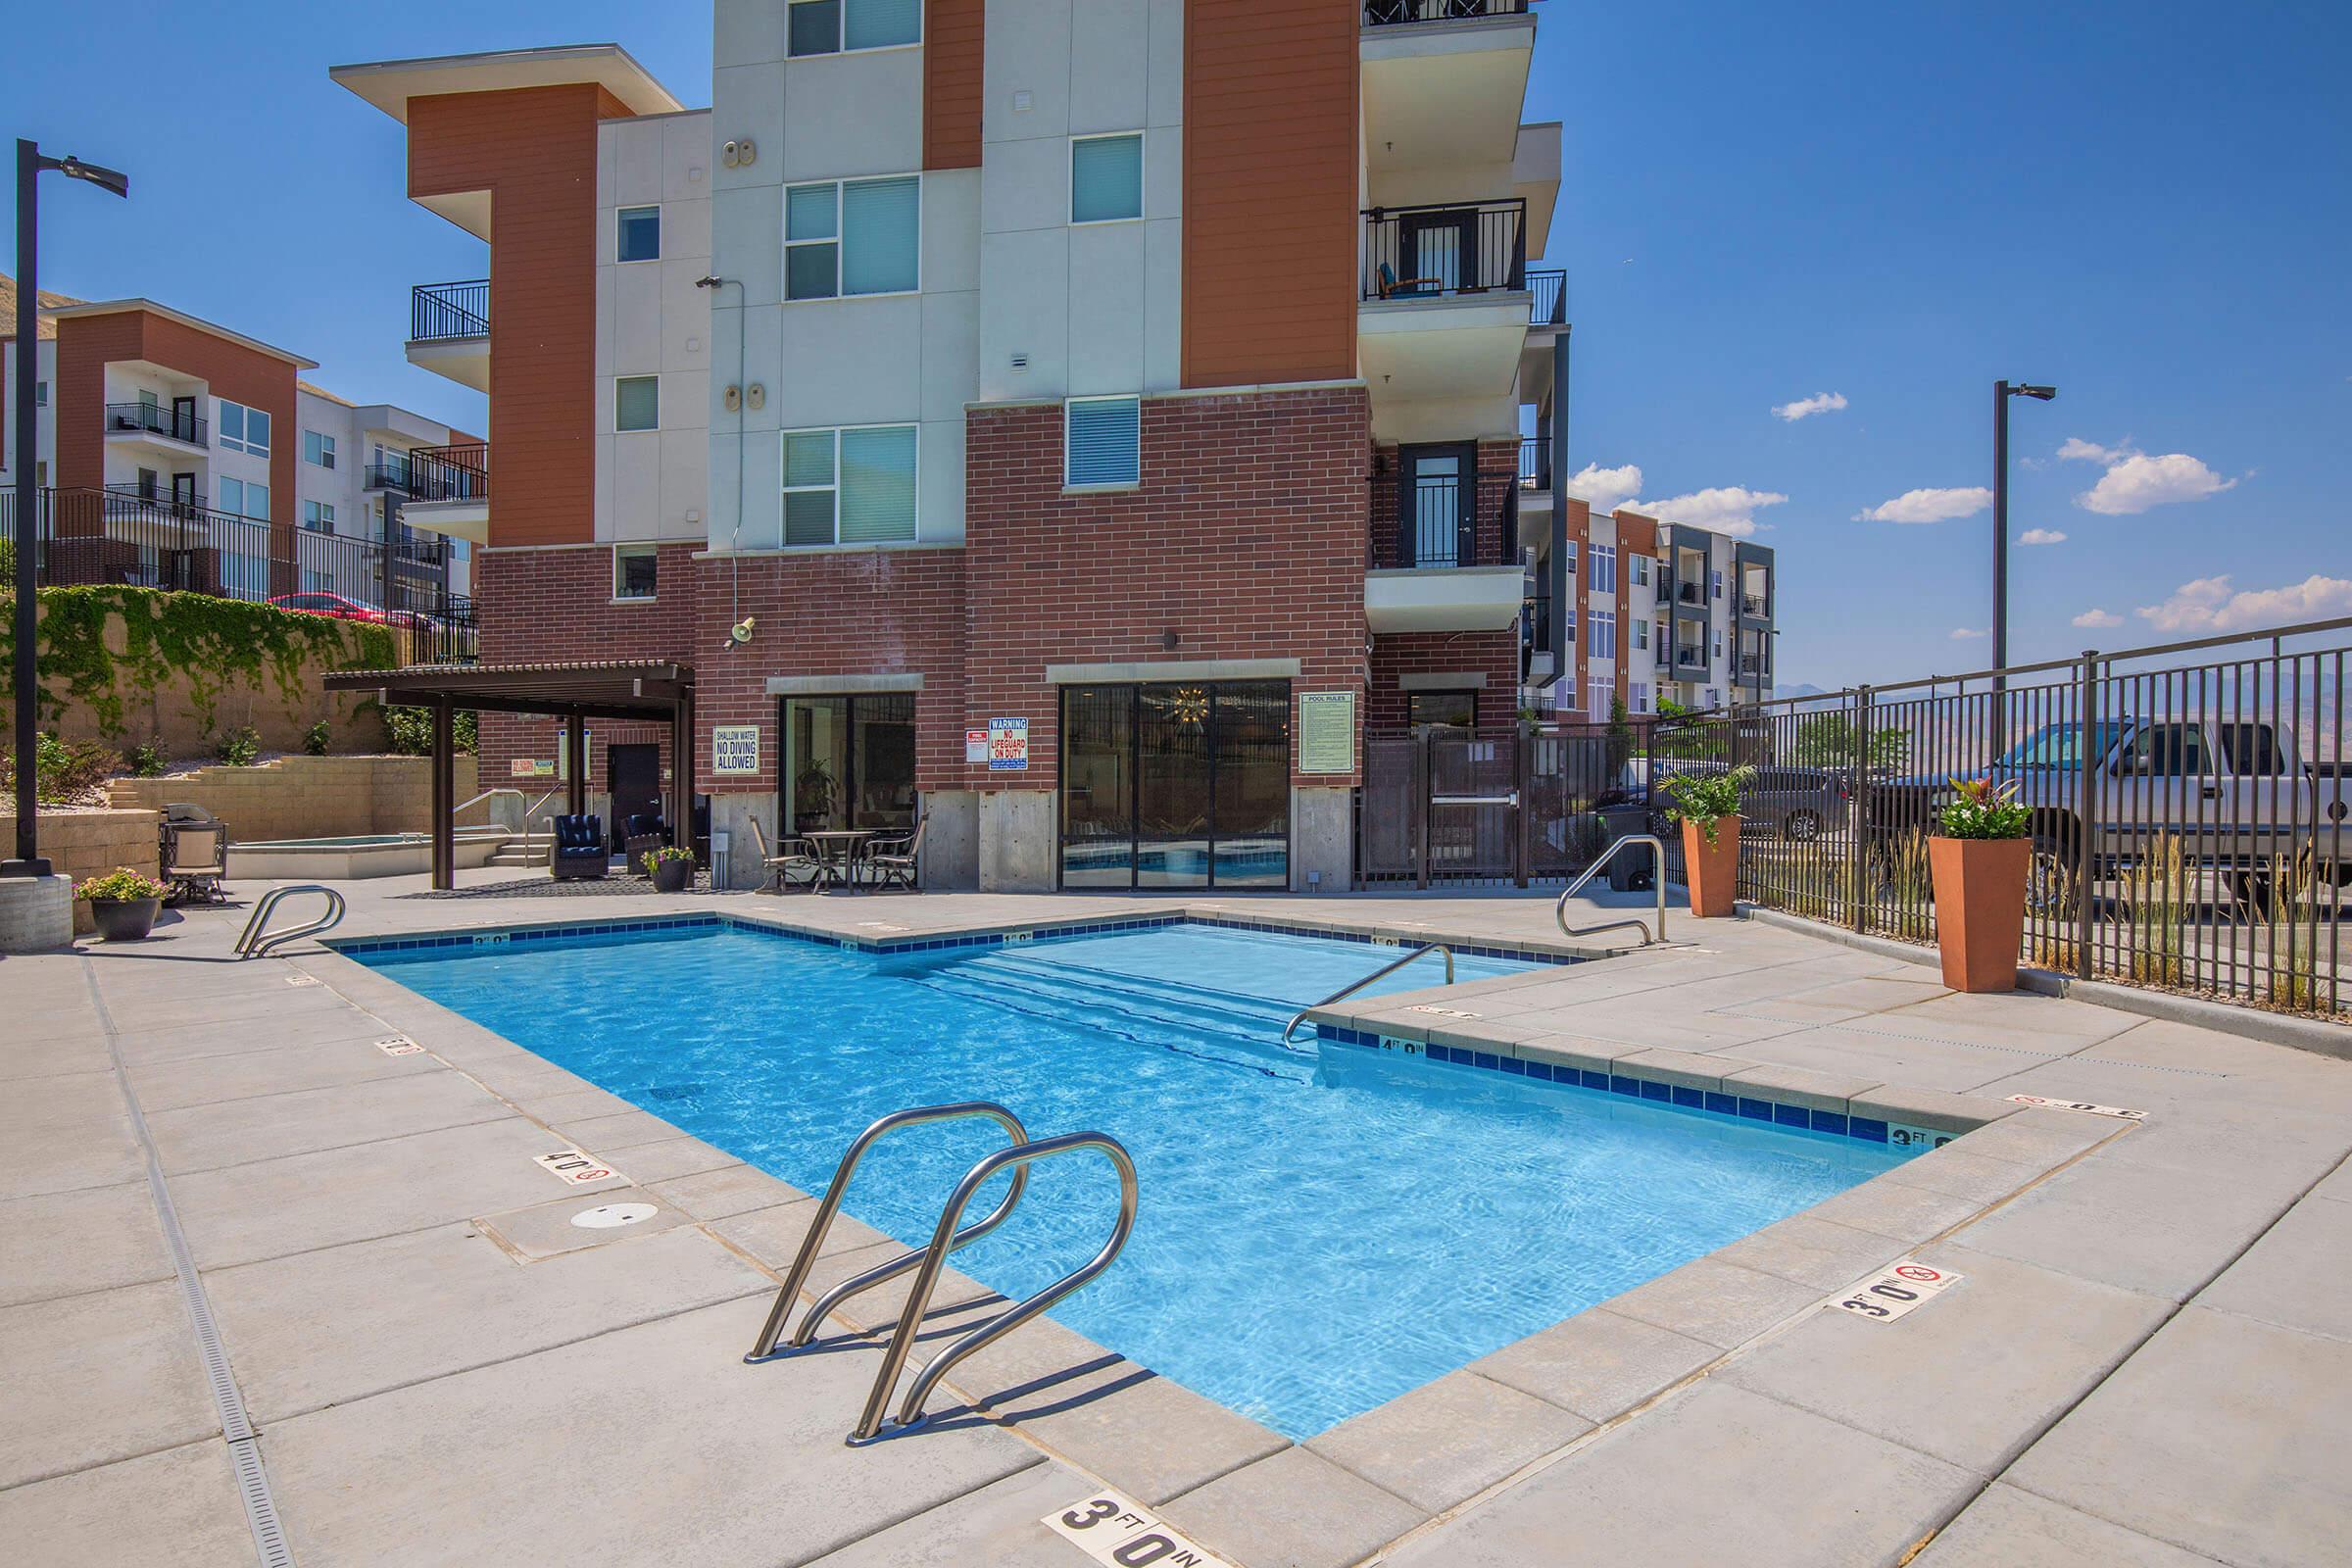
(1979, 909)
(1711, 870)
(125, 919)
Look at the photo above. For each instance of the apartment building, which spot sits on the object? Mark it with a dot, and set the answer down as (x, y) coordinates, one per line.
(173, 452)
(1078, 425)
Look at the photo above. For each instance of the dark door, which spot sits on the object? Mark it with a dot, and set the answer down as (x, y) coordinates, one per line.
(183, 491)
(633, 778)
(1442, 247)
(183, 418)
(1435, 505)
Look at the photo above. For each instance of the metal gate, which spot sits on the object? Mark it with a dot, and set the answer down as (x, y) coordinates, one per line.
(1499, 808)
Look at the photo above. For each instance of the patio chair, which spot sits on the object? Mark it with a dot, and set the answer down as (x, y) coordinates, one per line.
(798, 860)
(1411, 289)
(192, 855)
(892, 863)
(580, 851)
(641, 834)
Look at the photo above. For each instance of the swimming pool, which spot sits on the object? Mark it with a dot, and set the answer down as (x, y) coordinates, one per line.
(1321, 1229)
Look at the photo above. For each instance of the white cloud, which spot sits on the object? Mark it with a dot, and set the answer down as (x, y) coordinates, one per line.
(1929, 506)
(2042, 537)
(2098, 620)
(1723, 509)
(1962, 634)
(2091, 452)
(2138, 481)
(2211, 604)
(1605, 489)
(1805, 407)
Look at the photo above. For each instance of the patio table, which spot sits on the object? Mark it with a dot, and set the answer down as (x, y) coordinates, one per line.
(837, 853)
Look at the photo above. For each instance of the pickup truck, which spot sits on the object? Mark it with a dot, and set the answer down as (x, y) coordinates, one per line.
(2236, 794)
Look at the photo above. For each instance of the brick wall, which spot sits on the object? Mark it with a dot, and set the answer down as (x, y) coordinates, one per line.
(1492, 653)
(1245, 540)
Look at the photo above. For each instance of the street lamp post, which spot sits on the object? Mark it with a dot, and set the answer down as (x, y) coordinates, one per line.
(30, 163)
(2002, 392)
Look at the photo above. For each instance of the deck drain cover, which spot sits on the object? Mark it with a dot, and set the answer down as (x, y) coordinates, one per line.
(606, 1216)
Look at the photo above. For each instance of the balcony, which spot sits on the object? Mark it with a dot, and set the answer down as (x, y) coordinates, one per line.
(449, 491)
(1754, 607)
(1535, 462)
(1443, 81)
(1449, 559)
(1444, 310)
(449, 330)
(149, 423)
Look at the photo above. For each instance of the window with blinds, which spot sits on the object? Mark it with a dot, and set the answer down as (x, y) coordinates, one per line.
(850, 487)
(859, 236)
(1103, 438)
(1107, 178)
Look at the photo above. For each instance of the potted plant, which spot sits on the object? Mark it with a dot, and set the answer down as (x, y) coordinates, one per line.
(812, 797)
(670, 867)
(1977, 868)
(122, 903)
(1707, 806)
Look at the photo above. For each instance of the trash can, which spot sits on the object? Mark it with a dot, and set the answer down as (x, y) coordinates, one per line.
(1629, 869)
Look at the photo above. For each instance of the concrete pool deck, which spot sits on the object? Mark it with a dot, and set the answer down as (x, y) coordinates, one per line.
(2146, 1360)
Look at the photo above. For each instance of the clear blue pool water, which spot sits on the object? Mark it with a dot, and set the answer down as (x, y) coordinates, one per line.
(1318, 1233)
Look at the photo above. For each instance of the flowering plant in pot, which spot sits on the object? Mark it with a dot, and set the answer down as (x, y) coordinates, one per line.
(1707, 806)
(1978, 864)
(122, 903)
(670, 867)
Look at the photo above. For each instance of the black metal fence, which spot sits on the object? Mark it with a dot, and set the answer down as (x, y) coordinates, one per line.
(1490, 808)
(2187, 804)
(1549, 306)
(1535, 462)
(1445, 251)
(86, 536)
(1387, 13)
(449, 473)
(449, 309)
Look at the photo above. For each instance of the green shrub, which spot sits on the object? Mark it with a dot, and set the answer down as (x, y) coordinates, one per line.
(409, 731)
(147, 760)
(65, 772)
(314, 740)
(1977, 811)
(1706, 798)
(238, 747)
(121, 883)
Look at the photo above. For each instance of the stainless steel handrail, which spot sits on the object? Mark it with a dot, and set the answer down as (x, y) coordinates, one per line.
(806, 1260)
(1354, 986)
(256, 939)
(505, 789)
(1658, 852)
(944, 1240)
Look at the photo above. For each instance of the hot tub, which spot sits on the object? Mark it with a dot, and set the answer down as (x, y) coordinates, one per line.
(361, 856)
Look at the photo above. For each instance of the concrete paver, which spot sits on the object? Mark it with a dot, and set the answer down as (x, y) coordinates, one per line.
(262, 1127)
(1717, 1302)
(91, 1239)
(70, 1132)
(1293, 1509)
(1598, 1364)
(276, 1069)
(1449, 1440)
(998, 1525)
(102, 1376)
(178, 1505)
(2007, 1528)
(2299, 1275)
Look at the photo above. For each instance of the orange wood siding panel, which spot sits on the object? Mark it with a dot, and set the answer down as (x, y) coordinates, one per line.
(952, 57)
(1270, 153)
(533, 149)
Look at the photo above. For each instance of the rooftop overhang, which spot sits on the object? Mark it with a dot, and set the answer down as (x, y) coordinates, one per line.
(592, 690)
(1536, 179)
(1444, 598)
(454, 520)
(389, 85)
(196, 323)
(1437, 93)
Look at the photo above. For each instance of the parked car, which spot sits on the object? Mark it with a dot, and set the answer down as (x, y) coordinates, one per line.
(320, 603)
(1797, 804)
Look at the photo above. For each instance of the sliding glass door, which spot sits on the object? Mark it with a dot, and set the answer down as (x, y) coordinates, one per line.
(848, 762)
(1176, 785)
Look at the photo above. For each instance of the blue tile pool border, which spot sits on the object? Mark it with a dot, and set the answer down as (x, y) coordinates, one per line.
(1630, 1084)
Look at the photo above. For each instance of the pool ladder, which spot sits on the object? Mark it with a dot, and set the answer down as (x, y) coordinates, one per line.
(1657, 880)
(927, 1260)
(258, 939)
(1353, 986)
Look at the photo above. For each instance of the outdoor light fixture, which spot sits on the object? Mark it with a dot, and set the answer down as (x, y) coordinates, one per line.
(2044, 393)
(31, 162)
(2002, 392)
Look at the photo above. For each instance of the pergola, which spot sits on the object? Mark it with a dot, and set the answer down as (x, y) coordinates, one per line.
(644, 692)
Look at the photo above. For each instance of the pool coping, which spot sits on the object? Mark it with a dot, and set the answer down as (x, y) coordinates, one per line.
(1228, 1480)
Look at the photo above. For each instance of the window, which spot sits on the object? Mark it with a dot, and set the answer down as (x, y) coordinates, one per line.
(1665, 645)
(1719, 645)
(240, 500)
(1599, 689)
(1104, 439)
(1427, 711)
(640, 238)
(1707, 699)
(1570, 556)
(244, 429)
(633, 572)
(318, 517)
(1601, 639)
(1107, 178)
(40, 394)
(850, 487)
(855, 236)
(1640, 566)
(829, 26)
(40, 475)
(637, 403)
(1605, 568)
(1640, 630)
(317, 449)
(1665, 577)
(1715, 585)
(1641, 690)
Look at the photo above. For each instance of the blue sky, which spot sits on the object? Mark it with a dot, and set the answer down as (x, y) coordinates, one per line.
(2147, 205)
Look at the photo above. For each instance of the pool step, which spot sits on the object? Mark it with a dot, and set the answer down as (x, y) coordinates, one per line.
(1148, 1013)
(525, 848)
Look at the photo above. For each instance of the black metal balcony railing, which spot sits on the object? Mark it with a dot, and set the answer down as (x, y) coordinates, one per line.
(392, 475)
(438, 311)
(1689, 593)
(1445, 251)
(449, 473)
(1753, 605)
(1534, 624)
(1444, 520)
(1549, 306)
(1535, 462)
(1388, 13)
(155, 419)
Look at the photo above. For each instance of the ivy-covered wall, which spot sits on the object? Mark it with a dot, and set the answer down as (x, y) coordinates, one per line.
(121, 666)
